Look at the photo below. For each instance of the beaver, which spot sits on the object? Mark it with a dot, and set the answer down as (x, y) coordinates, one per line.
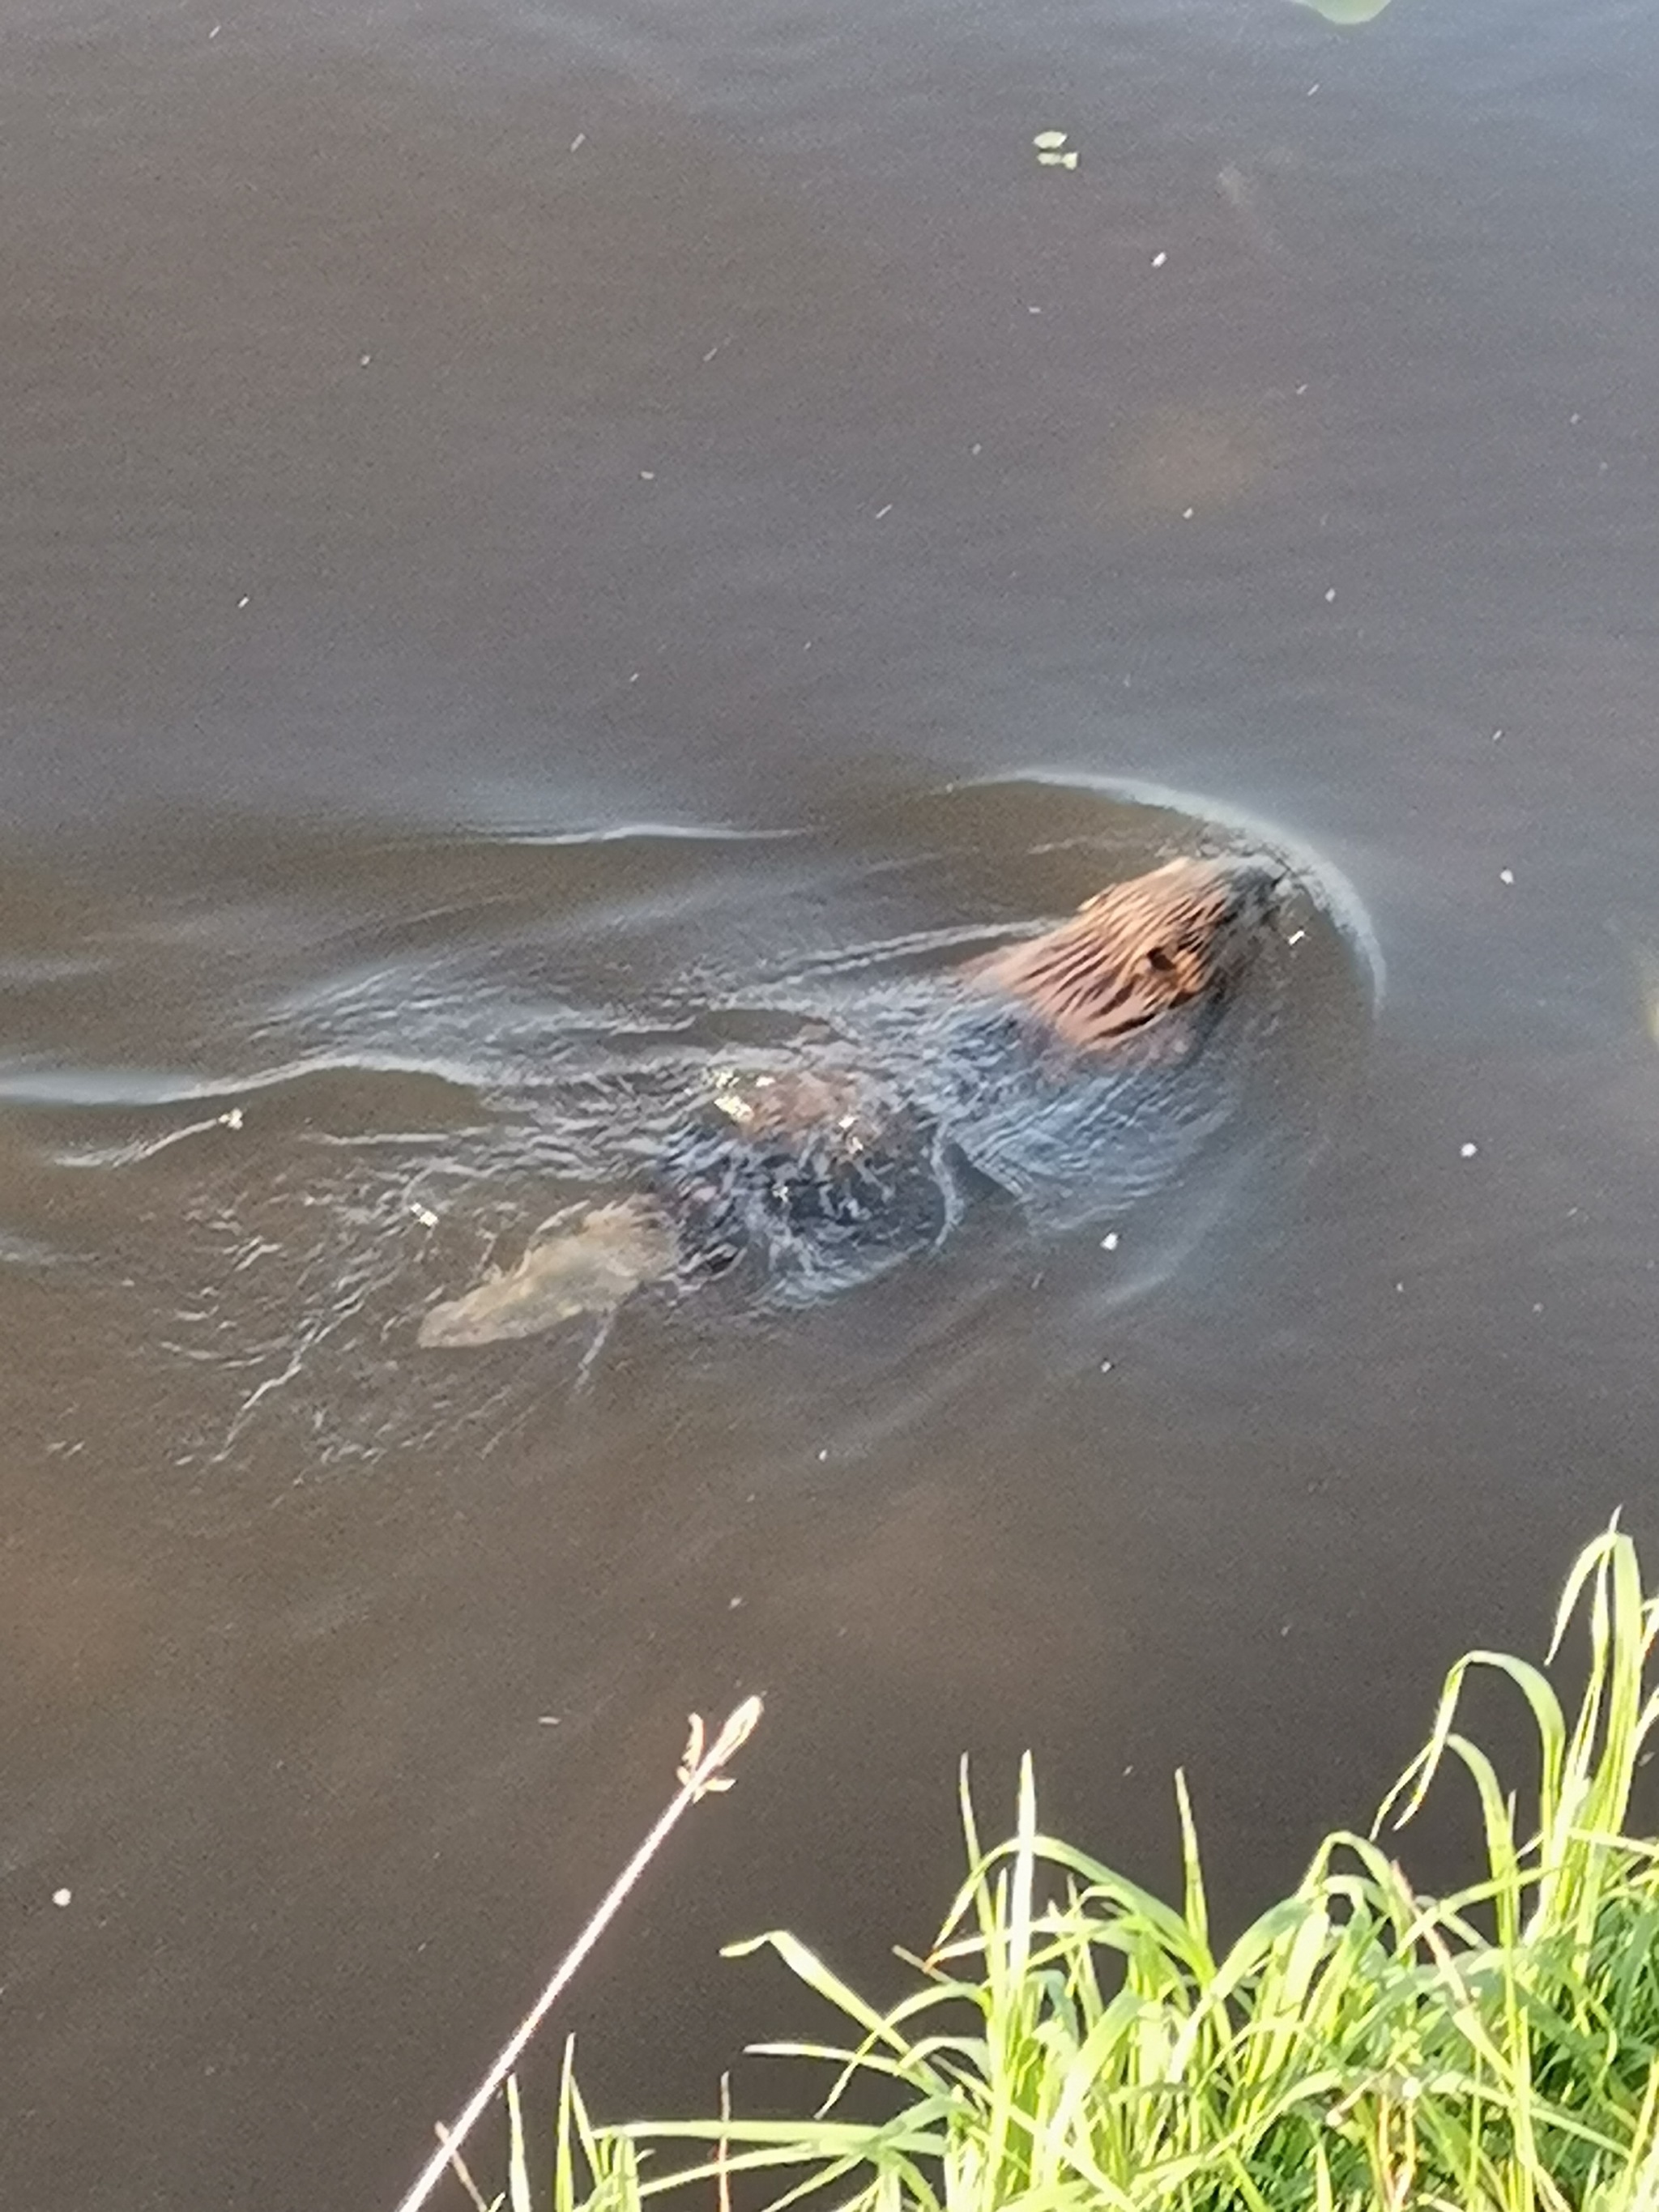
(805, 1160)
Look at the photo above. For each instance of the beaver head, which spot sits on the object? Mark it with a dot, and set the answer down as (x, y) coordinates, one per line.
(1137, 950)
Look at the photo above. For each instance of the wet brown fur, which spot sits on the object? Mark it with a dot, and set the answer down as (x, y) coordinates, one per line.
(1133, 952)
(1128, 955)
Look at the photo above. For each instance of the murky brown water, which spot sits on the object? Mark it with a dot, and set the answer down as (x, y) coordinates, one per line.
(533, 537)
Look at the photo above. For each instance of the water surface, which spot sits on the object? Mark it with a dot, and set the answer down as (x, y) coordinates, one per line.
(538, 538)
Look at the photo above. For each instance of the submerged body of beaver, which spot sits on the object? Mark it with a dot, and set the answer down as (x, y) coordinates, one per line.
(789, 1170)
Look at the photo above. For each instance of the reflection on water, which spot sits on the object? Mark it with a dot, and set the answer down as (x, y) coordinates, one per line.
(444, 441)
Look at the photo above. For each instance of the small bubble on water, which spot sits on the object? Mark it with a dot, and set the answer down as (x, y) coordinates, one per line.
(1506, 875)
(1159, 258)
(61, 1897)
(1467, 1151)
(1108, 1241)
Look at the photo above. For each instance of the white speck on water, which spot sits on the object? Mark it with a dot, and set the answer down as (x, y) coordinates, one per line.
(824, 1453)
(425, 1216)
(1159, 258)
(1496, 735)
(1330, 596)
(1105, 1366)
(1572, 418)
(579, 142)
(733, 1604)
(1128, 1770)
(1301, 391)
(1296, 937)
(242, 602)
(547, 1719)
(1050, 142)
(648, 476)
(709, 356)
(1285, 1630)
(1186, 514)
(215, 32)
(976, 449)
(1538, 1308)
(1467, 1151)
(1312, 88)
(1506, 875)
(61, 1897)
(882, 512)
(1033, 311)
(1108, 1241)
(231, 1118)
(1401, 1288)
(634, 677)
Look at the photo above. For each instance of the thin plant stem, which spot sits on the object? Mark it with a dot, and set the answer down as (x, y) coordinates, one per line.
(699, 1772)
(723, 2179)
(462, 2174)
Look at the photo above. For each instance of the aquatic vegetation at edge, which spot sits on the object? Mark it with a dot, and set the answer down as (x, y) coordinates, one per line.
(1074, 2040)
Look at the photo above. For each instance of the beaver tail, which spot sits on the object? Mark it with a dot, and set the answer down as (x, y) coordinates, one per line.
(1133, 952)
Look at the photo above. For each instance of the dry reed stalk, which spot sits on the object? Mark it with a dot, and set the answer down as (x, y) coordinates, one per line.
(462, 2174)
(699, 1772)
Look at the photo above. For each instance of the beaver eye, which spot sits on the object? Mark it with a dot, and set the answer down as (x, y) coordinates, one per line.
(1159, 961)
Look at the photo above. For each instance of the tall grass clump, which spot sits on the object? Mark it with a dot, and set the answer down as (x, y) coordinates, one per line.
(1073, 2041)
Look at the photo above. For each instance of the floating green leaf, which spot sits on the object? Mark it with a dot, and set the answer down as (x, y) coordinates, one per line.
(1052, 151)
(1346, 11)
